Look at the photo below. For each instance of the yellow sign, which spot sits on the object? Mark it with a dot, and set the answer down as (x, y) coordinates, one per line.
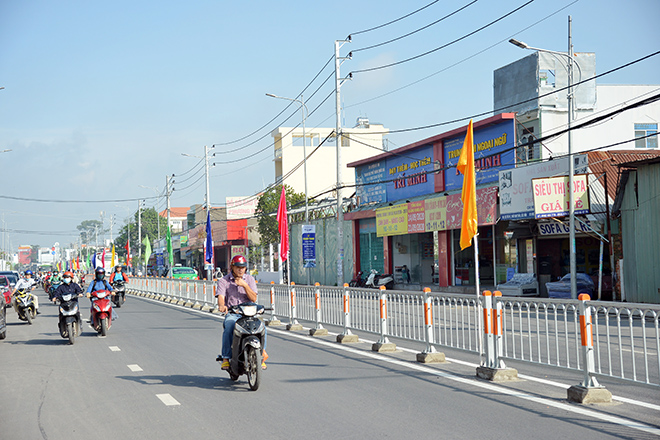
(435, 214)
(392, 220)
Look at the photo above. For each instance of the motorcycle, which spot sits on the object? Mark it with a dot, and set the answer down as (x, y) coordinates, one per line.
(101, 311)
(375, 280)
(247, 344)
(120, 292)
(69, 317)
(52, 288)
(358, 281)
(25, 308)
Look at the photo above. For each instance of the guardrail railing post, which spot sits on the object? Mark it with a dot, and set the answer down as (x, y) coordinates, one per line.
(492, 366)
(346, 336)
(273, 319)
(318, 330)
(430, 354)
(293, 318)
(383, 344)
(589, 391)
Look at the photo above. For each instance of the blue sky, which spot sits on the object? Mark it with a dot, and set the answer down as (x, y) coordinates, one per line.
(101, 97)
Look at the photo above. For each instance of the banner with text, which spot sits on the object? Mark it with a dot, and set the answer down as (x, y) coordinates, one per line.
(551, 196)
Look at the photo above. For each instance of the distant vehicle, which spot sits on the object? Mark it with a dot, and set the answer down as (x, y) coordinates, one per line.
(521, 284)
(12, 275)
(3, 320)
(5, 289)
(562, 288)
(182, 273)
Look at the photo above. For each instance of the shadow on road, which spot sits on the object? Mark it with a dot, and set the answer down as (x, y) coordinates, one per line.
(53, 341)
(184, 380)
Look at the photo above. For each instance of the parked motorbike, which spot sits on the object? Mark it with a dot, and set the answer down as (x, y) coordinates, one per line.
(69, 322)
(101, 311)
(375, 280)
(120, 292)
(25, 306)
(358, 281)
(247, 344)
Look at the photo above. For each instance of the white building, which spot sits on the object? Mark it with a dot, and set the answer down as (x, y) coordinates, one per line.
(362, 141)
(520, 87)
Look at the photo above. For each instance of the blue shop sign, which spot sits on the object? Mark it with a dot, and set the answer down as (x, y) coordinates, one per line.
(370, 180)
(493, 153)
(410, 174)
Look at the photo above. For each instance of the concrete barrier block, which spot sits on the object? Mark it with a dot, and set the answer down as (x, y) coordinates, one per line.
(294, 327)
(206, 308)
(584, 395)
(318, 332)
(497, 374)
(347, 339)
(188, 303)
(431, 358)
(197, 306)
(383, 347)
(273, 322)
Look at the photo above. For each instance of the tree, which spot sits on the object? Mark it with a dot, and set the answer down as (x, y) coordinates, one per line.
(149, 226)
(89, 230)
(267, 209)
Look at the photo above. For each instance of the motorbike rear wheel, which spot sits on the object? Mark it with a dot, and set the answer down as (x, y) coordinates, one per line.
(253, 367)
(119, 301)
(70, 330)
(104, 326)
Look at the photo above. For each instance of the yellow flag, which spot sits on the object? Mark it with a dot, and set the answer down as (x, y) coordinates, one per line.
(469, 195)
(113, 255)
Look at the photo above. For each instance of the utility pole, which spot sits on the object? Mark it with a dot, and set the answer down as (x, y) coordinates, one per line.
(338, 140)
(169, 187)
(571, 167)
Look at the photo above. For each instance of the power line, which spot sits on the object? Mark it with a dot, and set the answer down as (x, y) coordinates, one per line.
(371, 69)
(415, 31)
(393, 21)
(27, 199)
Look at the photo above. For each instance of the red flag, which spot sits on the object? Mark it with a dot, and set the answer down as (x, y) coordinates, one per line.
(103, 258)
(78, 263)
(283, 226)
(469, 195)
(128, 251)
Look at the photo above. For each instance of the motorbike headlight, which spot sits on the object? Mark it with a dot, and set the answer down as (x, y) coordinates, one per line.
(250, 310)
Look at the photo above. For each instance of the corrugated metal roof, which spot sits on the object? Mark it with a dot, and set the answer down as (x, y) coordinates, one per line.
(608, 162)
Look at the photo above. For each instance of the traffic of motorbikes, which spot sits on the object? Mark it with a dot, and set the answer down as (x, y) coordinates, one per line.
(248, 341)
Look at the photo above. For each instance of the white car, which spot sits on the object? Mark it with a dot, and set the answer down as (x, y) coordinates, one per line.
(522, 284)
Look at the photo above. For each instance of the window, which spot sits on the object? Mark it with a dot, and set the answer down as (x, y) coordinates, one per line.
(530, 152)
(547, 77)
(312, 140)
(643, 130)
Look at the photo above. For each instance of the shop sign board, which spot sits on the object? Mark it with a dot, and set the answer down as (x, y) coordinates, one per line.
(241, 207)
(557, 228)
(493, 152)
(309, 245)
(551, 196)
(392, 220)
(435, 214)
(416, 217)
(371, 187)
(486, 208)
(237, 250)
(516, 197)
(410, 174)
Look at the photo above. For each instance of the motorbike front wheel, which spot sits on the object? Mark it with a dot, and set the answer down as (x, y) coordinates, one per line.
(70, 330)
(253, 367)
(119, 301)
(104, 326)
(28, 316)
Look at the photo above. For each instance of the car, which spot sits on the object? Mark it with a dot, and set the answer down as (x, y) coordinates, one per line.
(562, 288)
(182, 273)
(12, 275)
(521, 284)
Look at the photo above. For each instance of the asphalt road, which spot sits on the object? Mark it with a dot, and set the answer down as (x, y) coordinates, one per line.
(155, 377)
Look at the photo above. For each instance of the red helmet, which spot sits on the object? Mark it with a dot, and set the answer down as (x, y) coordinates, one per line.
(67, 274)
(239, 260)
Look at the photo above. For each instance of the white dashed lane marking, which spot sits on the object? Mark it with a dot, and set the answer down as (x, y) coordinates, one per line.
(114, 348)
(167, 399)
(134, 367)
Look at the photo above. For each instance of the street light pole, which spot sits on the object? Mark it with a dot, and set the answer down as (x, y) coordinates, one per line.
(571, 162)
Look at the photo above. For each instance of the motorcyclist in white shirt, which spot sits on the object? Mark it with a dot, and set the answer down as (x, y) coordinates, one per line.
(28, 283)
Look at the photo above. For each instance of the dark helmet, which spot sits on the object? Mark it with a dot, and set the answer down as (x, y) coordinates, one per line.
(28, 272)
(100, 273)
(239, 261)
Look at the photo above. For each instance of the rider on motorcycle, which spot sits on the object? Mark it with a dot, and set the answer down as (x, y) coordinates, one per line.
(118, 275)
(99, 282)
(237, 287)
(67, 286)
(29, 284)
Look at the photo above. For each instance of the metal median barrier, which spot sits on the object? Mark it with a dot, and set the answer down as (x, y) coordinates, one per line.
(619, 340)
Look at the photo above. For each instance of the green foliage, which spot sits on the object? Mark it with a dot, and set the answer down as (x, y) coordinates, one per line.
(149, 226)
(267, 205)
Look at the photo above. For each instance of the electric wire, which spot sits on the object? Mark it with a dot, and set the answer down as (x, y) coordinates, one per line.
(416, 30)
(183, 174)
(371, 69)
(393, 21)
(190, 177)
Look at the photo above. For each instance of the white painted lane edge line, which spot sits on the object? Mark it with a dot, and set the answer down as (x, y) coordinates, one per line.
(134, 367)
(470, 364)
(167, 399)
(114, 348)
